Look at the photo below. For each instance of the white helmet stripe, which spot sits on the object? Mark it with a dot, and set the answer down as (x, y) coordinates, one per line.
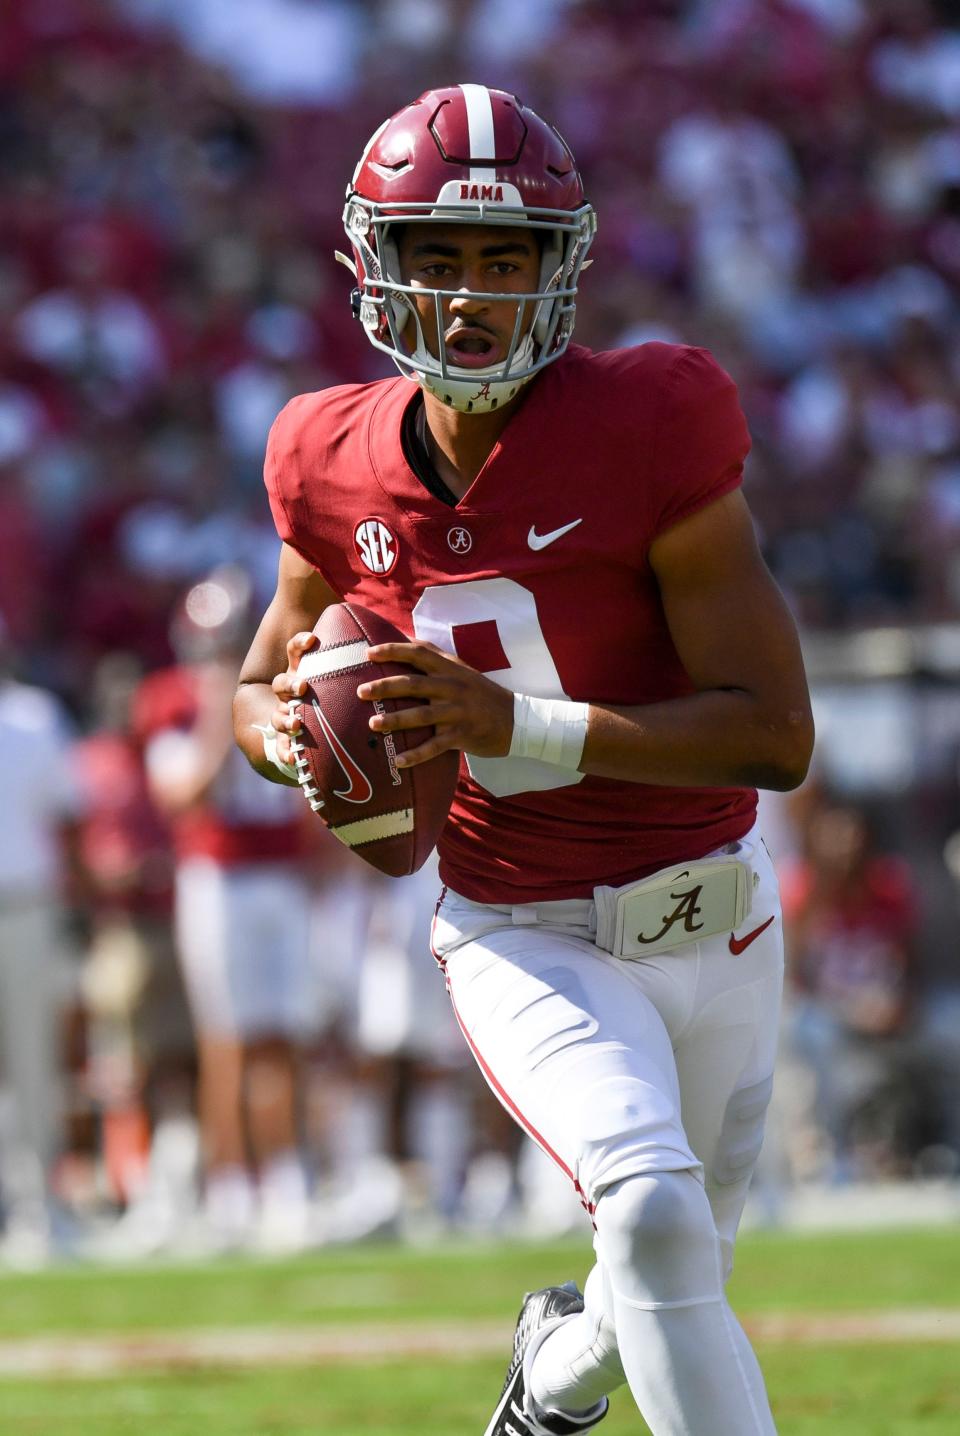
(483, 144)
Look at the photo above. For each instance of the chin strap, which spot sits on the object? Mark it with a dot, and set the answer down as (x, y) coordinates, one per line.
(471, 391)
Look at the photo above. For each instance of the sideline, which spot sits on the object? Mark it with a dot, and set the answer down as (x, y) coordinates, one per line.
(110, 1355)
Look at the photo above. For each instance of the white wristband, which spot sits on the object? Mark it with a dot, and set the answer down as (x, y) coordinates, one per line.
(270, 736)
(552, 730)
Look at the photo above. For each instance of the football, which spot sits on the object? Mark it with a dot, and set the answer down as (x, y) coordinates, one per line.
(390, 816)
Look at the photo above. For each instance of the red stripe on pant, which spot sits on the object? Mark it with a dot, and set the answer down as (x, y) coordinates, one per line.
(441, 962)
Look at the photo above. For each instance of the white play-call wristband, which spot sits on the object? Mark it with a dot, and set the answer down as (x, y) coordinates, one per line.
(552, 730)
(270, 736)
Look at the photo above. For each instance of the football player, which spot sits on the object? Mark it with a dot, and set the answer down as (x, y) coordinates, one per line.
(239, 876)
(563, 536)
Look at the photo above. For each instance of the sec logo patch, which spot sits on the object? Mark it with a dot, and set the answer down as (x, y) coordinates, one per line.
(376, 545)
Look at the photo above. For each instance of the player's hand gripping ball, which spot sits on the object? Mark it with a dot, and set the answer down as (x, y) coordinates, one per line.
(390, 816)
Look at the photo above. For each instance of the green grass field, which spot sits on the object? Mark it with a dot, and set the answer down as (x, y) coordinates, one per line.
(857, 1388)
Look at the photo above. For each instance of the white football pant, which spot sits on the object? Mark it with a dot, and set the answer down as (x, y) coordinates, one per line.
(647, 1082)
(242, 935)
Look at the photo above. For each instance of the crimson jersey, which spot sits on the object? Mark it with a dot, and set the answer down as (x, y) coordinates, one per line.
(539, 578)
(236, 822)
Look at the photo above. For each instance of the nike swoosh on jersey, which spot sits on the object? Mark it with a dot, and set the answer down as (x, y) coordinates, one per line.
(538, 541)
(360, 789)
(740, 944)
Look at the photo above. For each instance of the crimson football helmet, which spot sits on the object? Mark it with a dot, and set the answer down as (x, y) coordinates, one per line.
(467, 155)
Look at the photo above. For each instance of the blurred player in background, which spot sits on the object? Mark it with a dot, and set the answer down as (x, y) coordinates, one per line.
(40, 803)
(403, 1134)
(242, 915)
(851, 964)
(139, 1079)
(596, 630)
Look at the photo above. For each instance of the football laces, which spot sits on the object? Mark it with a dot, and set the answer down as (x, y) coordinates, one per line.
(302, 763)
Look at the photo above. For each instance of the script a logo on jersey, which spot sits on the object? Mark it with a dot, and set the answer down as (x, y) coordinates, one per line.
(359, 788)
(685, 912)
(460, 539)
(376, 545)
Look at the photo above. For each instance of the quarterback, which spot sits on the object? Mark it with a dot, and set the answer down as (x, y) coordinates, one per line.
(562, 535)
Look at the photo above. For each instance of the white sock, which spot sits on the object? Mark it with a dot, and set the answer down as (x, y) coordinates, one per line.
(579, 1362)
(229, 1199)
(358, 1130)
(439, 1136)
(283, 1180)
(692, 1371)
(690, 1367)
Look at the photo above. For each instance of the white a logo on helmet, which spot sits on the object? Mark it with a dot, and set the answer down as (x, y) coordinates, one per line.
(376, 545)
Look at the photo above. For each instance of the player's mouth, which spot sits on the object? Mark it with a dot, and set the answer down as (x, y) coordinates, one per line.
(472, 347)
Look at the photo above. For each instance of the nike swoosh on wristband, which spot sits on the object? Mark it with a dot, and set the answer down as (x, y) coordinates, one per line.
(538, 541)
(740, 944)
(360, 789)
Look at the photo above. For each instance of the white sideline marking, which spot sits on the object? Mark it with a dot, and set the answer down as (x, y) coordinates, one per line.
(249, 1346)
(108, 1355)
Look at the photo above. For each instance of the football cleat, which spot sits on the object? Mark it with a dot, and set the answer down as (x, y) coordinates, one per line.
(541, 1312)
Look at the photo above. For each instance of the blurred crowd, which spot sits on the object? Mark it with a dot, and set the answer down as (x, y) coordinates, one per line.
(776, 179)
